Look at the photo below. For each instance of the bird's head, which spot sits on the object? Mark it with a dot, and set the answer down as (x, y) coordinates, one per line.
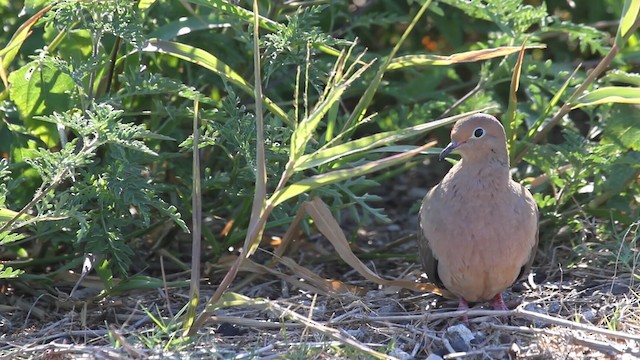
(480, 136)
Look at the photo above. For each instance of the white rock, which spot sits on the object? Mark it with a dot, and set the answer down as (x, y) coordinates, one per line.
(434, 357)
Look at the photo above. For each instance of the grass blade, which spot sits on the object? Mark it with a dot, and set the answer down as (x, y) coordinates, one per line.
(238, 12)
(329, 154)
(629, 19)
(260, 192)
(610, 94)
(463, 57)
(511, 119)
(259, 212)
(336, 88)
(184, 26)
(196, 211)
(332, 177)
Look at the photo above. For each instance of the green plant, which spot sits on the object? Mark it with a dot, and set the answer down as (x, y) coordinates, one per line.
(164, 336)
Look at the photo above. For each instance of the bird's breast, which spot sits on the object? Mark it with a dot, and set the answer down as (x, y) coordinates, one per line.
(477, 234)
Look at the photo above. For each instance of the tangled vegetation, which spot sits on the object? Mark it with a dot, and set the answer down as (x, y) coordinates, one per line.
(311, 108)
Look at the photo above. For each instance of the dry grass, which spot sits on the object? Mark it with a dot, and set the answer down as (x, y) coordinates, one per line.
(581, 312)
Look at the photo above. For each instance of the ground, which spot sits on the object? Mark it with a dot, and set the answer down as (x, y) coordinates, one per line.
(583, 309)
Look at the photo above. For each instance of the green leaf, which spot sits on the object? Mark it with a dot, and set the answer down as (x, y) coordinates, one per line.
(239, 12)
(629, 17)
(31, 5)
(9, 52)
(139, 282)
(621, 76)
(358, 113)
(552, 103)
(39, 89)
(7, 237)
(211, 62)
(587, 37)
(9, 273)
(231, 299)
(8, 214)
(145, 4)
(105, 272)
(623, 127)
(340, 81)
(78, 43)
(187, 25)
(610, 94)
(510, 16)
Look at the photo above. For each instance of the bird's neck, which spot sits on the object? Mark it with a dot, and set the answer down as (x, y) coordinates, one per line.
(489, 173)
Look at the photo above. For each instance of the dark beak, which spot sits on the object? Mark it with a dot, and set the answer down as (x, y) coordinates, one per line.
(452, 146)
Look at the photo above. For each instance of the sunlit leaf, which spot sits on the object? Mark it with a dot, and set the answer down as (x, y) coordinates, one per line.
(9, 52)
(145, 4)
(333, 92)
(39, 89)
(7, 237)
(621, 76)
(610, 94)
(187, 25)
(629, 18)
(8, 214)
(9, 273)
(231, 299)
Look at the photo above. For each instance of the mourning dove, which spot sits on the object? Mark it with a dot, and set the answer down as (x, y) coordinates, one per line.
(478, 229)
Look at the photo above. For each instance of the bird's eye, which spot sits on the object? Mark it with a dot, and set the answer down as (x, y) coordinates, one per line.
(478, 133)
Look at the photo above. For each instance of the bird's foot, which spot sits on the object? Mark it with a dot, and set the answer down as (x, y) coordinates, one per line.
(462, 305)
(498, 303)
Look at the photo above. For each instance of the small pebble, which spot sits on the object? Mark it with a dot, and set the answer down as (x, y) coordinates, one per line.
(399, 354)
(434, 356)
(460, 337)
(536, 309)
(393, 227)
(228, 329)
(554, 308)
(589, 315)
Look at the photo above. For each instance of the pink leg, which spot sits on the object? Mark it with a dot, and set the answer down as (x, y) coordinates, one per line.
(498, 303)
(462, 305)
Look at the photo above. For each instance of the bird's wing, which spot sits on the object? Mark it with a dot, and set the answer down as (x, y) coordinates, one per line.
(429, 261)
(532, 254)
